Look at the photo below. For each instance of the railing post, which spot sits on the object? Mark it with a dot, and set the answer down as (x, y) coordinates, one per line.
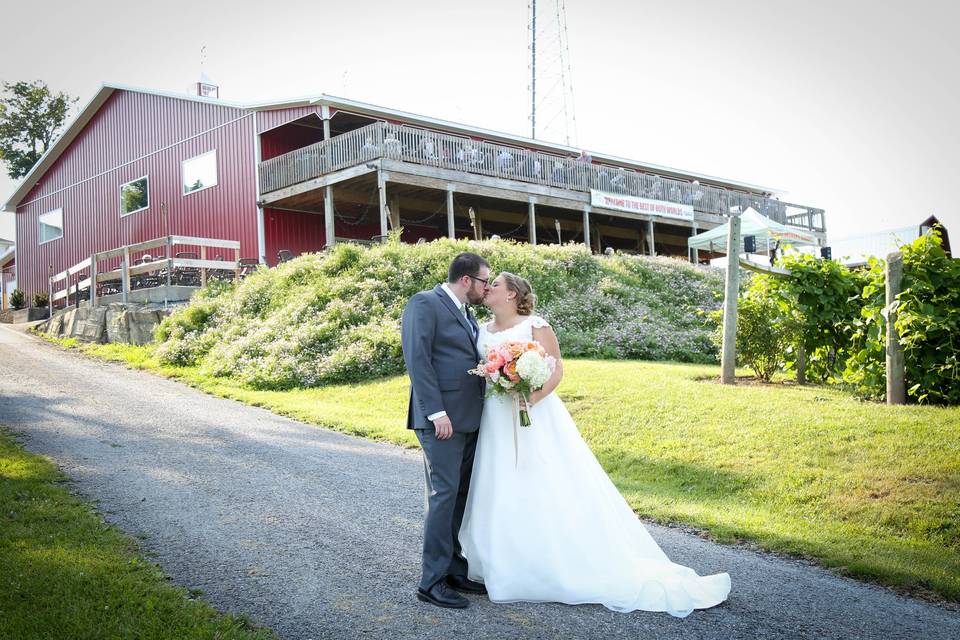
(50, 297)
(93, 280)
(236, 271)
(731, 292)
(203, 270)
(125, 275)
(168, 249)
(896, 382)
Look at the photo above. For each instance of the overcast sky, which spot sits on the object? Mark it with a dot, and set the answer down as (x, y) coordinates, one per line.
(847, 105)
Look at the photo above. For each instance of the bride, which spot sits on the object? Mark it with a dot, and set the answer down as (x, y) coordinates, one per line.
(543, 522)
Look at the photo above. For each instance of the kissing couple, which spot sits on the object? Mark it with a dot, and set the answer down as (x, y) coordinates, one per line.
(528, 514)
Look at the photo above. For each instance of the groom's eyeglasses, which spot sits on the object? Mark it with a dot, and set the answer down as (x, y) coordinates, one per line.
(485, 281)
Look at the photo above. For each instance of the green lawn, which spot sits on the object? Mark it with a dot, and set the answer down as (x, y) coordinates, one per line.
(64, 573)
(870, 490)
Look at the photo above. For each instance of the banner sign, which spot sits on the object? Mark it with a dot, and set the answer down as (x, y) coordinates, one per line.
(634, 204)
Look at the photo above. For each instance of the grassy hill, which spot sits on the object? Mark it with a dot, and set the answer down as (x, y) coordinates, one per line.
(334, 317)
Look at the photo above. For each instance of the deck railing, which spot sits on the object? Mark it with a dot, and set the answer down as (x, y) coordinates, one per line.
(86, 278)
(426, 147)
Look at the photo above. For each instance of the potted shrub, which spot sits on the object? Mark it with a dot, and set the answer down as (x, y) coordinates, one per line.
(17, 299)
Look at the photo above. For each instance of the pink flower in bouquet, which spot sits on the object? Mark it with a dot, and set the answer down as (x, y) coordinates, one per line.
(494, 361)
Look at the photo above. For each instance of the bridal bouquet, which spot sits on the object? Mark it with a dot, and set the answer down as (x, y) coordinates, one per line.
(516, 368)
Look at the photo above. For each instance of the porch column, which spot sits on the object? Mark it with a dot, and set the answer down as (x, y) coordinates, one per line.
(330, 231)
(451, 231)
(261, 225)
(382, 190)
(532, 220)
(586, 226)
(650, 245)
(695, 251)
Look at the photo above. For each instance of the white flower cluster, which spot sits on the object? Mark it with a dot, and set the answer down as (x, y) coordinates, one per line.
(533, 368)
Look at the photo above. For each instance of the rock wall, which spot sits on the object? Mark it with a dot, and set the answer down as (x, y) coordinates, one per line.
(117, 322)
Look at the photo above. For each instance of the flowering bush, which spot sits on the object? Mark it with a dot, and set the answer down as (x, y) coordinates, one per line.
(334, 316)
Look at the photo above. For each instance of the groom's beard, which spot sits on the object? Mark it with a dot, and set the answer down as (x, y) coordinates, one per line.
(475, 298)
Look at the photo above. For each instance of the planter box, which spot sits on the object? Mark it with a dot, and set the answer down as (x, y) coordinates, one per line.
(19, 316)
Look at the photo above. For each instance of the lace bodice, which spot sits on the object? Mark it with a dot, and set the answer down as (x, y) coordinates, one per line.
(523, 330)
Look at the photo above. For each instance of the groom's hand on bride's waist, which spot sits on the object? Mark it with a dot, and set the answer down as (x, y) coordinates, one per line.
(444, 427)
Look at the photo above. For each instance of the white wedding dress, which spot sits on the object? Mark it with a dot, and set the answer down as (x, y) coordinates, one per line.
(544, 523)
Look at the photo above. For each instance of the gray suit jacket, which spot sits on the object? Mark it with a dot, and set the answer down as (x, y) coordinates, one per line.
(439, 349)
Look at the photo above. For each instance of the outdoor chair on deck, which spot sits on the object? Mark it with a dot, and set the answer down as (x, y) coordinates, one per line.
(284, 255)
(186, 276)
(248, 266)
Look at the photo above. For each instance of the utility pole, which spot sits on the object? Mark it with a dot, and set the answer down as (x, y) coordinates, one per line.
(533, 69)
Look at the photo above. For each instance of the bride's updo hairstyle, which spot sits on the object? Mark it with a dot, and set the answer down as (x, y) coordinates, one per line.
(526, 299)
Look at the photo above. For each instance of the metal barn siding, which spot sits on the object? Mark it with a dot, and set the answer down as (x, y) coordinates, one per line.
(287, 138)
(293, 231)
(132, 135)
(274, 118)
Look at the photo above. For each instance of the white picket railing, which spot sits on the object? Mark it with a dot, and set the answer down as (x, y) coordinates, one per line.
(77, 279)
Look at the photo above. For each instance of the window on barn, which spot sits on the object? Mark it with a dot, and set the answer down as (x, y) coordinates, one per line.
(134, 196)
(200, 172)
(51, 225)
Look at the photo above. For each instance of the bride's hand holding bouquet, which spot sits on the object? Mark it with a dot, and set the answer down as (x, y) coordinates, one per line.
(517, 368)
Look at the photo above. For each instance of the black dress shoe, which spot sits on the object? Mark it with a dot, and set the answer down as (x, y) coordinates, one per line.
(441, 596)
(465, 585)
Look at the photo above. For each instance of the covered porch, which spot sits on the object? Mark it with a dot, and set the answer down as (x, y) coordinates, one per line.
(379, 176)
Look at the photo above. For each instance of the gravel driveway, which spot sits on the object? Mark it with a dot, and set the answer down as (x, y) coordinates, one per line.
(316, 534)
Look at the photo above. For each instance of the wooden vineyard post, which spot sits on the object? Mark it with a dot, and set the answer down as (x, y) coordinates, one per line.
(731, 292)
(896, 383)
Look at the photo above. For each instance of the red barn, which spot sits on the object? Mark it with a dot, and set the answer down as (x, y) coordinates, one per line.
(300, 175)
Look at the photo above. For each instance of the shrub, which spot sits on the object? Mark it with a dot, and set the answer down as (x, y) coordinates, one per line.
(928, 322)
(17, 299)
(334, 316)
(822, 299)
(41, 299)
(765, 329)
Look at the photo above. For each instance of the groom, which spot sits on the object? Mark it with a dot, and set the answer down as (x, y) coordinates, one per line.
(439, 346)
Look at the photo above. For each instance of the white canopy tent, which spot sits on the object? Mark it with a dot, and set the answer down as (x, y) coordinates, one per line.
(751, 224)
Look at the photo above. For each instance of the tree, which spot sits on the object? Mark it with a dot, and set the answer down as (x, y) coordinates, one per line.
(31, 117)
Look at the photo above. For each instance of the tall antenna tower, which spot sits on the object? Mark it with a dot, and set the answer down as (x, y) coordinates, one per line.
(552, 114)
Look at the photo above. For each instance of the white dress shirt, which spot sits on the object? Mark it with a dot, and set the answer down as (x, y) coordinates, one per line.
(463, 309)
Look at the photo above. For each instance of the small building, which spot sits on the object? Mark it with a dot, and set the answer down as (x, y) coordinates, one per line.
(855, 250)
(295, 176)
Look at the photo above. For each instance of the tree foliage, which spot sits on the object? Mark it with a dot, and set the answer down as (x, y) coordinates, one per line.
(31, 117)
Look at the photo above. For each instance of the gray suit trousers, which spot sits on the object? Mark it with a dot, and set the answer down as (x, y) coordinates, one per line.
(447, 465)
